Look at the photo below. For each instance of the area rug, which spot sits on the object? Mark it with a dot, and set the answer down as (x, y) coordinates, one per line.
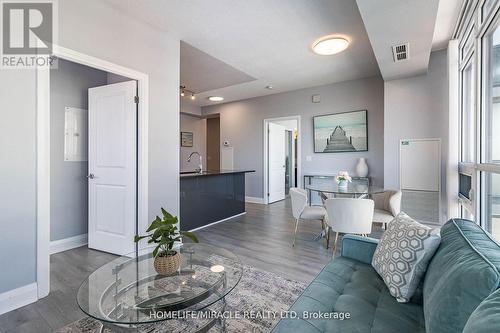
(261, 295)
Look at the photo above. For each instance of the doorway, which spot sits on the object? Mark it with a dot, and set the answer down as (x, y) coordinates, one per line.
(213, 143)
(281, 157)
(44, 156)
(93, 122)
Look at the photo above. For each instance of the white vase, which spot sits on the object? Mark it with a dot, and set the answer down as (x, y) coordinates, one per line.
(362, 167)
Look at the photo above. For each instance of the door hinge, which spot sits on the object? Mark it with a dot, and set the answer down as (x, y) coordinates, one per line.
(136, 99)
(268, 194)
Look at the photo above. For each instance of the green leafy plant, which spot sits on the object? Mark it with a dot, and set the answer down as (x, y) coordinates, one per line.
(164, 232)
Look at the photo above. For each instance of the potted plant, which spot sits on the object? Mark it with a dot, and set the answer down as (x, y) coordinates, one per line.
(163, 232)
(343, 178)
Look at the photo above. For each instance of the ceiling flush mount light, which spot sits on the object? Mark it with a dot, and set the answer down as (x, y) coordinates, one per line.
(216, 99)
(270, 87)
(329, 45)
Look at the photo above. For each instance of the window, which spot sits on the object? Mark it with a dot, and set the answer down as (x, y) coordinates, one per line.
(480, 122)
(468, 114)
(491, 120)
(492, 203)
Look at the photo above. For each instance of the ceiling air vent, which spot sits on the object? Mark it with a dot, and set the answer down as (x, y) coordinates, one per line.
(401, 52)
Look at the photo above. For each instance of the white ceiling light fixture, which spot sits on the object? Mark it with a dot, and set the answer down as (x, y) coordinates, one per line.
(329, 45)
(215, 98)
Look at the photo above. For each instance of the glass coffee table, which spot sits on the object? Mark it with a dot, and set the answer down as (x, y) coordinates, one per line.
(127, 293)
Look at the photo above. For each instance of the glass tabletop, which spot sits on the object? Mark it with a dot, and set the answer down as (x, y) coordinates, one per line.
(128, 290)
(353, 188)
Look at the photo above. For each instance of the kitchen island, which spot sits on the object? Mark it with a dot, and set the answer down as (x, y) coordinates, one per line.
(211, 196)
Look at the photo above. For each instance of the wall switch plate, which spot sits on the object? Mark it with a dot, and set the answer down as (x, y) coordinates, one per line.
(316, 98)
(309, 158)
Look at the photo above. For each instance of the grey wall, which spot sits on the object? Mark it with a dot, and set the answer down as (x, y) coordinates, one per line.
(416, 108)
(198, 127)
(242, 125)
(115, 78)
(69, 85)
(145, 49)
(188, 107)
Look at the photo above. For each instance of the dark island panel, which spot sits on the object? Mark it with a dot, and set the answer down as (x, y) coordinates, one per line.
(206, 200)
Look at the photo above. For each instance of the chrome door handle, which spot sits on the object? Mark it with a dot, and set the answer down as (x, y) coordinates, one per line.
(91, 176)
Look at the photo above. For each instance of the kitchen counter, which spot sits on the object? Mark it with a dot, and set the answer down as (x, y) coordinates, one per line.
(211, 173)
(211, 196)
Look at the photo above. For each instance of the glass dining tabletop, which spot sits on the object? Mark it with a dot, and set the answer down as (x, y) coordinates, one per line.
(128, 290)
(354, 189)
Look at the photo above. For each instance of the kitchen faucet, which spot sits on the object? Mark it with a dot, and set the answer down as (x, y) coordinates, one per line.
(200, 166)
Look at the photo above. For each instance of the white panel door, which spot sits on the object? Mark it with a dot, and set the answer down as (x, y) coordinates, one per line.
(420, 165)
(276, 162)
(112, 167)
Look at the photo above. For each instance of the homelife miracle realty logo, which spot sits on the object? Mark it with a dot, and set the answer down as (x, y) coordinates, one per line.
(28, 33)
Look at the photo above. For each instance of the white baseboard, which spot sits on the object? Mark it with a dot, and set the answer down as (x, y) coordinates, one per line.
(254, 200)
(16, 298)
(229, 218)
(68, 243)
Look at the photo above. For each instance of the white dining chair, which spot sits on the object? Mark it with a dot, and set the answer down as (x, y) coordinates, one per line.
(301, 209)
(348, 216)
(387, 206)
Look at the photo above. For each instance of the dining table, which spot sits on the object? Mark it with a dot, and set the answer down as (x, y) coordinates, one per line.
(331, 189)
(353, 190)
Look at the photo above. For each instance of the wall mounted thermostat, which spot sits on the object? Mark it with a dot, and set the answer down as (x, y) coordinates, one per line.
(316, 98)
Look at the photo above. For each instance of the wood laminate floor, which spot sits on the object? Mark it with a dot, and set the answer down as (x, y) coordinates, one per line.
(262, 238)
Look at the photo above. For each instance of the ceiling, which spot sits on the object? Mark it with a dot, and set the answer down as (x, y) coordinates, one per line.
(235, 48)
(447, 16)
(263, 39)
(425, 25)
(200, 72)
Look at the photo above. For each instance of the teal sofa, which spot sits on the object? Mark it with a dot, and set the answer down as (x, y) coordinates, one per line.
(458, 293)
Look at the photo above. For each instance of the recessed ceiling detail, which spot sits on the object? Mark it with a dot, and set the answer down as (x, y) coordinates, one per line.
(201, 72)
(387, 23)
(267, 40)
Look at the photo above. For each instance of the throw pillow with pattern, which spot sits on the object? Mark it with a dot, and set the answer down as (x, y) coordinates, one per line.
(403, 253)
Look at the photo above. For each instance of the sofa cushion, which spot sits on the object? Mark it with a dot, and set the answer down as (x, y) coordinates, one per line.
(462, 273)
(486, 317)
(353, 287)
(402, 255)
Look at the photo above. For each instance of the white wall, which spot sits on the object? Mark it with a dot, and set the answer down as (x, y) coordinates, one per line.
(416, 108)
(198, 127)
(290, 125)
(17, 178)
(242, 125)
(69, 85)
(91, 27)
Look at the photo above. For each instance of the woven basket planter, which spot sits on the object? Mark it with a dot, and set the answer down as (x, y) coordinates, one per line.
(167, 264)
